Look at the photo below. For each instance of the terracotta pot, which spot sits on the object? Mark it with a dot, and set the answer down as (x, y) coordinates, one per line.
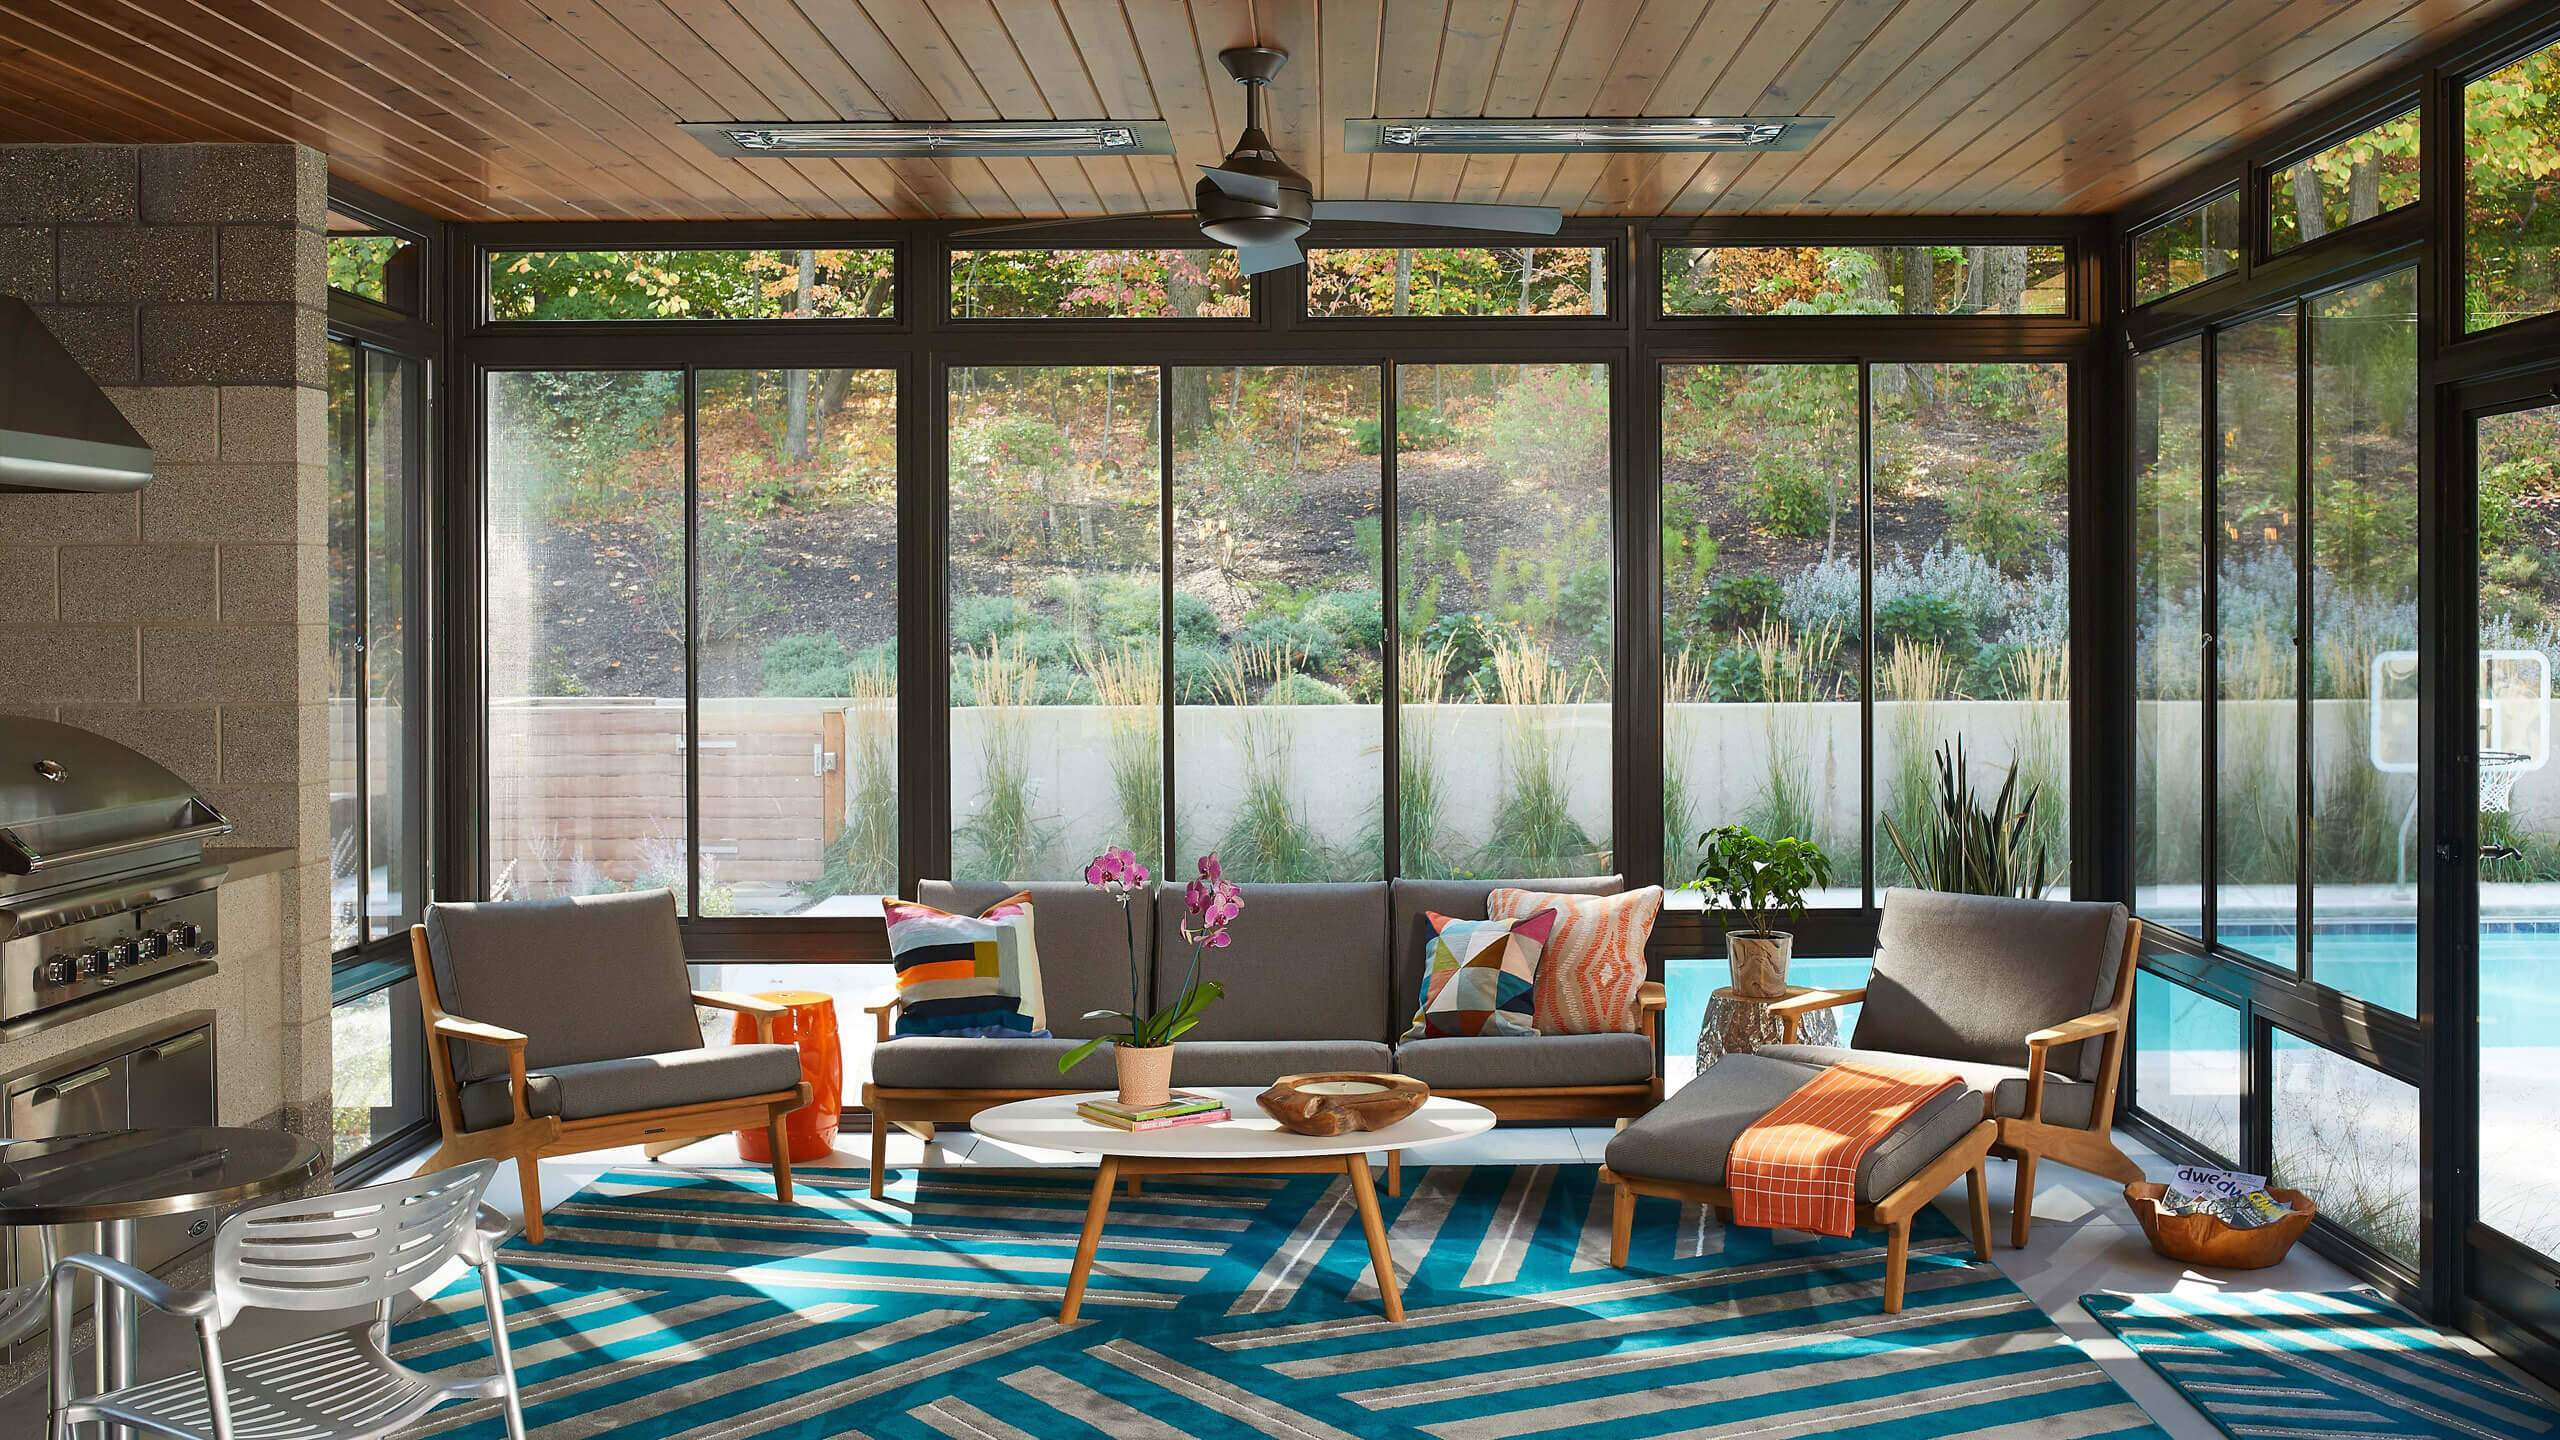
(1759, 962)
(1146, 1074)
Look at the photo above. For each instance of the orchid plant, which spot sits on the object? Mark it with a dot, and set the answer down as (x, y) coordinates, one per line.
(1210, 903)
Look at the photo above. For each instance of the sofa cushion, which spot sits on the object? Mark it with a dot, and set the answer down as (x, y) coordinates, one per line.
(1688, 1137)
(1511, 1062)
(1084, 945)
(1259, 1062)
(587, 978)
(937, 1062)
(1307, 962)
(964, 974)
(1594, 966)
(1968, 977)
(639, 1082)
(1459, 900)
(2067, 1102)
(1484, 977)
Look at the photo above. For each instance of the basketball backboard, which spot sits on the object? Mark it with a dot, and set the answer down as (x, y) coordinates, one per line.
(2515, 708)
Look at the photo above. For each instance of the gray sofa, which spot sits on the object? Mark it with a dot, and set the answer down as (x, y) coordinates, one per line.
(1319, 977)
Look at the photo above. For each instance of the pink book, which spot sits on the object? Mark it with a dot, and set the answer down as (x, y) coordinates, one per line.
(1169, 1122)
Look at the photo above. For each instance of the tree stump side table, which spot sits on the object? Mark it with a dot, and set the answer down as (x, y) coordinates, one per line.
(1738, 1024)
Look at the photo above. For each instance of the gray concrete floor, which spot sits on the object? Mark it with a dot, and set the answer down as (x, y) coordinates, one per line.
(2084, 1241)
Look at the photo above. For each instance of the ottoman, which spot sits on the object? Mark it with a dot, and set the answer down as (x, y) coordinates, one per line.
(1678, 1149)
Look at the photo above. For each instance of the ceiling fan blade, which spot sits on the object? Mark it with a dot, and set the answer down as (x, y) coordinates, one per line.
(1057, 222)
(1260, 189)
(1254, 259)
(1521, 219)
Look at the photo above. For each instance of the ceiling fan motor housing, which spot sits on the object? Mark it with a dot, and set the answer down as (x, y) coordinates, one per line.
(1236, 220)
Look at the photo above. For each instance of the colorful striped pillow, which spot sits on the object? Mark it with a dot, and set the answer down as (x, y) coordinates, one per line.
(1587, 983)
(966, 974)
(1484, 976)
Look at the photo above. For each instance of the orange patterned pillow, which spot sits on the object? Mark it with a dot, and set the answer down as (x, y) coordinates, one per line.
(1588, 977)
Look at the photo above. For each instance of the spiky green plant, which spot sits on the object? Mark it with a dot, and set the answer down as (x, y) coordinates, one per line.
(862, 857)
(1534, 831)
(2040, 678)
(1683, 685)
(1006, 835)
(1973, 849)
(1129, 682)
(1268, 838)
(1914, 677)
(1422, 830)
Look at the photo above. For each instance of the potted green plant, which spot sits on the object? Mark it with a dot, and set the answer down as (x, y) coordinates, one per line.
(1757, 882)
(1142, 1054)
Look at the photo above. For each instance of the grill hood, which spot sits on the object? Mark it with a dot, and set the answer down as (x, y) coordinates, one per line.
(74, 806)
(58, 430)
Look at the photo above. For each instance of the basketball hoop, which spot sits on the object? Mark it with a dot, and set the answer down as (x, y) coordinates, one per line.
(2498, 772)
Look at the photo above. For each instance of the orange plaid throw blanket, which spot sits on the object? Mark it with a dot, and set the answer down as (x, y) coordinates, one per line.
(1796, 1168)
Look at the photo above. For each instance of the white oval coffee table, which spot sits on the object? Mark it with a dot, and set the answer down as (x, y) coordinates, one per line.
(1250, 1144)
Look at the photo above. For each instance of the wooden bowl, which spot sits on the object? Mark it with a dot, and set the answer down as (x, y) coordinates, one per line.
(2205, 1240)
(1337, 1102)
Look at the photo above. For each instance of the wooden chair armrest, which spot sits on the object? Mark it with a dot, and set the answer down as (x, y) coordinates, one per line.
(2086, 1027)
(454, 1027)
(884, 1009)
(1651, 999)
(764, 1011)
(1791, 1012)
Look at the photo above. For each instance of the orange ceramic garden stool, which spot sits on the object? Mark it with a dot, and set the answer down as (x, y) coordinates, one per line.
(811, 1024)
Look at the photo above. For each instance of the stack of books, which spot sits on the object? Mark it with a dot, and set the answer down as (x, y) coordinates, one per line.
(1180, 1108)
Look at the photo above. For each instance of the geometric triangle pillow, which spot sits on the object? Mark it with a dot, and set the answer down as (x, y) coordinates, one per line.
(1484, 976)
(966, 974)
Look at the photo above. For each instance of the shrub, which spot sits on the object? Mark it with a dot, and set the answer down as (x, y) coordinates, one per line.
(1423, 430)
(1197, 669)
(1353, 616)
(1735, 601)
(1469, 641)
(1193, 620)
(1735, 678)
(1784, 496)
(1550, 424)
(1582, 608)
(806, 665)
(1306, 641)
(1297, 689)
(1922, 619)
(2003, 523)
(977, 620)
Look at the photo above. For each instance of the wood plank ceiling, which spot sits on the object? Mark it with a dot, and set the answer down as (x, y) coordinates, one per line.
(565, 109)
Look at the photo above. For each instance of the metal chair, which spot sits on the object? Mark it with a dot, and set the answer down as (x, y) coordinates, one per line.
(330, 1252)
(22, 1307)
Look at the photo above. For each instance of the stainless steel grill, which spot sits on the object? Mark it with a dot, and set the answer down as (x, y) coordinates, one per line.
(104, 888)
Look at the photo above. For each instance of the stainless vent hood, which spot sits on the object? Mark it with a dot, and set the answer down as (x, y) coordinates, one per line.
(58, 430)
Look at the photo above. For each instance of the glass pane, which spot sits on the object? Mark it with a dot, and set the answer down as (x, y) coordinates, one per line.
(1469, 280)
(1762, 580)
(796, 629)
(377, 1058)
(692, 285)
(2189, 249)
(1057, 605)
(1096, 284)
(1865, 280)
(391, 457)
(375, 267)
(2254, 627)
(2518, 465)
(585, 633)
(2188, 1063)
(1279, 727)
(2351, 181)
(2510, 229)
(1503, 602)
(347, 452)
(1973, 633)
(2364, 624)
(2347, 1136)
(2169, 626)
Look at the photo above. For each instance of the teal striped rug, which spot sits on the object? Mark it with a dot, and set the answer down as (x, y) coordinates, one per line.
(690, 1305)
(2278, 1364)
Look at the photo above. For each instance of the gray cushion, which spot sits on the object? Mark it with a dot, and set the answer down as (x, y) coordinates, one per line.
(641, 1082)
(1259, 1062)
(1308, 962)
(1689, 1136)
(961, 1062)
(1459, 900)
(1968, 977)
(1507, 1062)
(2067, 1102)
(594, 977)
(1083, 944)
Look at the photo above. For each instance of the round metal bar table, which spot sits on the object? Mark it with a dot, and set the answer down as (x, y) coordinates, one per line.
(116, 1177)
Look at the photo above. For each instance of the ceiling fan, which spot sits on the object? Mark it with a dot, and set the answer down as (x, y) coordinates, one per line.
(1257, 205)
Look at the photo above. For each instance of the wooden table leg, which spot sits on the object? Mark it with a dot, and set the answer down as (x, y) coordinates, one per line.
(1364, 1192)
(1107, 1176)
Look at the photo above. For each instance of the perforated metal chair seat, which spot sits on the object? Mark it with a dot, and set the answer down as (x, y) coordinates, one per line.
(332, 1387)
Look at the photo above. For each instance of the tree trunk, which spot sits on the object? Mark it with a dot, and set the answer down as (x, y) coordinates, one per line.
(1404, 284)
(795, 429)
(1977, 264)
(2364, 189)
(2310, 215)
(2005, 284)
(1920, 297)
(1599, 283)
(1528, 269)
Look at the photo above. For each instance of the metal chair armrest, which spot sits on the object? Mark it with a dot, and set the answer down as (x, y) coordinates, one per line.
(490, 1228)
(148, 1288)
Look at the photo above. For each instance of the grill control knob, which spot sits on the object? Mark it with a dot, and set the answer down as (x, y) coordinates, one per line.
(58, 970)
(150, 945)
(93, 961)
(182, 937)
(123, 955)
